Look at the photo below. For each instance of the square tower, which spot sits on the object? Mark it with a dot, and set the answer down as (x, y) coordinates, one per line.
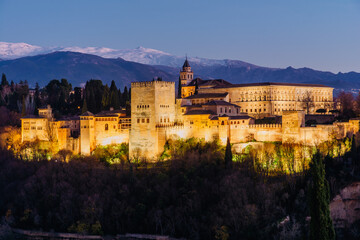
(152, 105)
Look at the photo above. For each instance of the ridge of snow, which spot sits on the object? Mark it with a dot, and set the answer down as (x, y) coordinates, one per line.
(140, 54)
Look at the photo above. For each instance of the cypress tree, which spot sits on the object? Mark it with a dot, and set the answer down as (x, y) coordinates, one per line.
(23, 107)
(84, 107)
(37, 96)
(125, 96)
(321, 227)
(196, 87)
(114, 98)
(179, 88)
(228, 155)
(4, 81)
(105, 98)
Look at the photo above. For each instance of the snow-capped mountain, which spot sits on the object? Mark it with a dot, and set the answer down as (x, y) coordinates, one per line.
(139, 55)
(16, 50)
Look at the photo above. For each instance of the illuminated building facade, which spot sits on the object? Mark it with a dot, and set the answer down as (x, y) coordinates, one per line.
(208, 109)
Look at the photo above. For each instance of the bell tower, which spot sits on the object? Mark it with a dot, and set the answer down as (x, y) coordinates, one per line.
(186, 75)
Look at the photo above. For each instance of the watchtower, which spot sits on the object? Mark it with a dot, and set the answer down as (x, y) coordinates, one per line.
(152, 106)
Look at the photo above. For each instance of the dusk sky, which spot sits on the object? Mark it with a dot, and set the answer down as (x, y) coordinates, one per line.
(320, 34)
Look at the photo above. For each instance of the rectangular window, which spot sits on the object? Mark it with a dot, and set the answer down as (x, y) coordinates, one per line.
(138, 120)
(143, 120)
(147, 120)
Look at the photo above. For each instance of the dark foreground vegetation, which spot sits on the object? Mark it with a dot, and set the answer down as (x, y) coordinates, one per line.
(195, 195)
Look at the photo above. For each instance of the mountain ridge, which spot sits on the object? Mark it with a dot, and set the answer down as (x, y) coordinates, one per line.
(81, 67)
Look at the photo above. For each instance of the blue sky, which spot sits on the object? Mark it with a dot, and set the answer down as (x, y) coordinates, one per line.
(321, 34)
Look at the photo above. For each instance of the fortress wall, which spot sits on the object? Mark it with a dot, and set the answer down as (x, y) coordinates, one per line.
(107, 132)
(35, 128)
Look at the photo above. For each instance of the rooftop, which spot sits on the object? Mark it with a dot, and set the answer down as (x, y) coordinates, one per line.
(207, 95)
(87, 113)
(211, 82)
(272, 84)
(200, 112)
(220, 103)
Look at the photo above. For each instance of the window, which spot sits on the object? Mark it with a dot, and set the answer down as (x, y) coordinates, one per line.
(225, 110)
(138, 120)
(147, 120)
(143, 120)
(229, 110)
(106, 127)
(221, 110)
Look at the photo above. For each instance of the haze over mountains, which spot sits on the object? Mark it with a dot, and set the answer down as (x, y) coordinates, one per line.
(21, 61)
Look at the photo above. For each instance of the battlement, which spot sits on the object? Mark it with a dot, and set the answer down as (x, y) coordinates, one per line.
(265, 125)
(150, 84)
(170, 125)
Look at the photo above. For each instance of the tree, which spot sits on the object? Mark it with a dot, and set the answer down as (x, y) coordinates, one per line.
(125, 97)
(114, 97)
(37, 96)
(346, 100)
(179, 88)
(321, 227)
(84, 107)
(106, 97)
(4, 81)
(228, 155)
(196, 87)
(308, 101)
(23, 107)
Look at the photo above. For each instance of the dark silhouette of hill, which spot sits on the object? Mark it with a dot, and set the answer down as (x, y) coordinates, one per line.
(79, 67)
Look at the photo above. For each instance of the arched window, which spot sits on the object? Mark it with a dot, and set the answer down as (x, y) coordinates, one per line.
(106, 127)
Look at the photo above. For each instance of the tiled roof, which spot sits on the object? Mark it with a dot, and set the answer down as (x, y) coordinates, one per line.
(200, 112)
(106, 115)
(32, 117)
(239, 117)
(207, 95)
(87, 113)
(272, 84)
(216, 82)
(220, 103)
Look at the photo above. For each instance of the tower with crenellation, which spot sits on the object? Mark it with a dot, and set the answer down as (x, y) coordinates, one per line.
(152, 106)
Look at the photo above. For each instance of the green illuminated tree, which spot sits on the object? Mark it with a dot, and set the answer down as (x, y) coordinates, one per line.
(321, 227)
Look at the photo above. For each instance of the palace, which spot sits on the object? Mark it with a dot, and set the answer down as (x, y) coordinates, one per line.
(207, 109)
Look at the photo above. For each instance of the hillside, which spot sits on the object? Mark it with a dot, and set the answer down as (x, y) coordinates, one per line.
(78, 68)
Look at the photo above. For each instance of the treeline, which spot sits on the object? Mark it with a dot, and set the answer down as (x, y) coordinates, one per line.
(99, 97)
(61, 96)
(196, 195)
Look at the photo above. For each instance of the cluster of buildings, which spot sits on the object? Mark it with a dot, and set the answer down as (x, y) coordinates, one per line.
(207, 109)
